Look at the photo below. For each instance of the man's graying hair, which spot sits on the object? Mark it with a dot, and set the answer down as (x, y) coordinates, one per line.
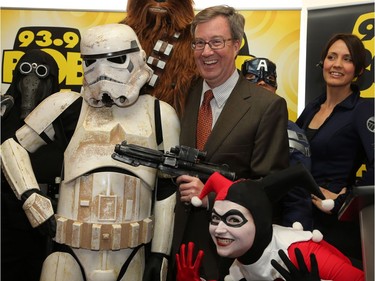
(236, 20)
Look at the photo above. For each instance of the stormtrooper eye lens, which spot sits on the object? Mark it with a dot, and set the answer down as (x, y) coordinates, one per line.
(25, 68)
(89, 62)
(118, 60)
(42, 71)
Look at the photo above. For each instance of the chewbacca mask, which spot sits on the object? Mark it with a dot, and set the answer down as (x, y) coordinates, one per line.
(163, 29)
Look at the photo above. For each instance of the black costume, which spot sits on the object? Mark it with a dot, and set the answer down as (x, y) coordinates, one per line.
(23, 248)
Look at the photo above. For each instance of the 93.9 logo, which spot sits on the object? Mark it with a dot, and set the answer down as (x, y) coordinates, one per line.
(62, 43)
(364, 29)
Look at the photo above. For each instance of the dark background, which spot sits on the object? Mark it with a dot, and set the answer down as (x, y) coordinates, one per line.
(322, 24)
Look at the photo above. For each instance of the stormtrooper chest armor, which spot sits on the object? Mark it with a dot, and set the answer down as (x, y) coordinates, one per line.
(100, 129)
(99, 192)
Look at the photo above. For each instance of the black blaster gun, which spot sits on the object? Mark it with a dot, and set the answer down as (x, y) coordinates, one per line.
(180, 160)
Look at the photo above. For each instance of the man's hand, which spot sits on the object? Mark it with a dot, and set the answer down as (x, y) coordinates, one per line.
(189, 187)
(295, 274)
(187, 270)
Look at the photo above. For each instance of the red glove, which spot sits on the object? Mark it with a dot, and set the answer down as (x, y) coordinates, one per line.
(186, 270)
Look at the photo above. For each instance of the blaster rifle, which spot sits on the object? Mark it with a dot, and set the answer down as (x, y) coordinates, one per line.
(180, 160)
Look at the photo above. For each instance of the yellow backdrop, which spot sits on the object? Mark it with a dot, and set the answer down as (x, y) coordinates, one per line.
(271, 34)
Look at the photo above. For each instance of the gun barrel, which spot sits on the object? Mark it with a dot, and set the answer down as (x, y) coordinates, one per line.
(178, 161)
(136, 151)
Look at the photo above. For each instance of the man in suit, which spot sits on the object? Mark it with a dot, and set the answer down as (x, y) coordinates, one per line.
(248, 128)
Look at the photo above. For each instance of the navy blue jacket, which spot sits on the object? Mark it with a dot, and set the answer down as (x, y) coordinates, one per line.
(343, 143)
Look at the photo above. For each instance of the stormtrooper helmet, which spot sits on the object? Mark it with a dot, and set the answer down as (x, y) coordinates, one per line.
(114, 65)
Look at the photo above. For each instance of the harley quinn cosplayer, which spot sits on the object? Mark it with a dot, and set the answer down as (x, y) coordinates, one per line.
(241, 227)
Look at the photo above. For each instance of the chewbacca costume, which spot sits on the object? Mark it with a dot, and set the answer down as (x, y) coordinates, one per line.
(163, 29)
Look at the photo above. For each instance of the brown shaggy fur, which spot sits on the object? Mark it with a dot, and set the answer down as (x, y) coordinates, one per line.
(150, 26)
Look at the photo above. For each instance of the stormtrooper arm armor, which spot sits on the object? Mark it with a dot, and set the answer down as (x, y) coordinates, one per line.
(15, 160)
(164, 208)
(163, 228)
(18, 171)
(157, 266)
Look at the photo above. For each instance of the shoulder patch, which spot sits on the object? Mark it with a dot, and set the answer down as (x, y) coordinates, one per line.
(370, 124)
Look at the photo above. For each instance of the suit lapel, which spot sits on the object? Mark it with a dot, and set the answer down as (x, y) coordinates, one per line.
(233, 111)
(188, 135)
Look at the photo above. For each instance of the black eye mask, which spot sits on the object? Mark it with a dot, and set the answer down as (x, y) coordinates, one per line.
(228, 217)
(262, 69)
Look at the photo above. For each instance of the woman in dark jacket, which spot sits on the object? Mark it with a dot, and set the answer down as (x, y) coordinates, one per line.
(340, 127)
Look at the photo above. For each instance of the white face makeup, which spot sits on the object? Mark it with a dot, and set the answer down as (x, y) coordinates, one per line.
(232, 229)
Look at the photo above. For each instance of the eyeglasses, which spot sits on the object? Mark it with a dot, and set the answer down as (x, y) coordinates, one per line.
(215, 44)
(41, 70)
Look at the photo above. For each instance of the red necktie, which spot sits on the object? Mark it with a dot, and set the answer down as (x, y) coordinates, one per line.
(204, 120)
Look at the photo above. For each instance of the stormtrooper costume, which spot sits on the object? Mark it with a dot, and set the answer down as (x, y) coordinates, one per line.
(106, 211)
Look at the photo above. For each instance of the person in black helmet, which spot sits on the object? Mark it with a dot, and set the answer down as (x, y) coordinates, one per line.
(297, 204)
(34, 78)
(261, 71)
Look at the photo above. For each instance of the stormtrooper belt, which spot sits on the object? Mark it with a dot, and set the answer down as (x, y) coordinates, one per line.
(97, 236)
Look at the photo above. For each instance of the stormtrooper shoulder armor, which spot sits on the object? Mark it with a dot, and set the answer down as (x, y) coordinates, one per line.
(39, 122)
(15, 160)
